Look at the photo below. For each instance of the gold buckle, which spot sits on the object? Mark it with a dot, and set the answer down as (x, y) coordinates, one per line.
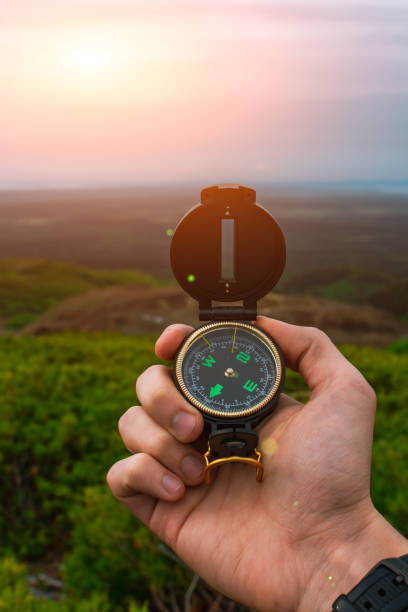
(211, 465)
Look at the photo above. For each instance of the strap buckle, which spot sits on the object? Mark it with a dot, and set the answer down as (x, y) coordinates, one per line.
(396, 565)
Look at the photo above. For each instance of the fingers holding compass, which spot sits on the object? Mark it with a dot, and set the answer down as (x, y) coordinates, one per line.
(169, 341)
(157, 432)
(159, 469)
(141, 434)
(166, 406)
(140, 480)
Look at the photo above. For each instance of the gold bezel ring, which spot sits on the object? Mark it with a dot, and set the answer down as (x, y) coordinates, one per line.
(201, 331)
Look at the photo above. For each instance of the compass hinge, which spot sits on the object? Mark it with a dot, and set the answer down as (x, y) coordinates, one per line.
(227, 313)
(226, 440)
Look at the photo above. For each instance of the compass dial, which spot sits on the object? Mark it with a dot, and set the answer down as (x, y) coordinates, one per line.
(229, 369)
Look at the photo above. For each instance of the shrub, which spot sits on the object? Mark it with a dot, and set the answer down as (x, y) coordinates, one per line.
(113, 551)
(61, 398)
(14, 595)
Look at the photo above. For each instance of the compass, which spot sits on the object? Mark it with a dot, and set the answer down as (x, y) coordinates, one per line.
(229, 369)
(227, 252)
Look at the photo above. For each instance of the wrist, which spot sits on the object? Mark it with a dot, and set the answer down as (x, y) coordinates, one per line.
(344, 561)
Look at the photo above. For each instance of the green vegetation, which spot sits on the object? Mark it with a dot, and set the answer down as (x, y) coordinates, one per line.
(29, 286)
(61, 397)
(61, 400)
(14, 595)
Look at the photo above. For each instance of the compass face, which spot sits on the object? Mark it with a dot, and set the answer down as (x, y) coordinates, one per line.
(229, 369)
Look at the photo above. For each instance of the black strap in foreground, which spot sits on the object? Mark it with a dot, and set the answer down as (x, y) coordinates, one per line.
(384, 588)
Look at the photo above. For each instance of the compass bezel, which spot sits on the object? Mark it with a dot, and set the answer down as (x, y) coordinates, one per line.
(218, 414)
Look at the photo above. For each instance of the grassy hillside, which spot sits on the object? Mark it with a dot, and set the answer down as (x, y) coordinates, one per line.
(29, 286)
(61, 397)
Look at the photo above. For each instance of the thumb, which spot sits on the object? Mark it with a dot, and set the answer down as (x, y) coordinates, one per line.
(310, 352)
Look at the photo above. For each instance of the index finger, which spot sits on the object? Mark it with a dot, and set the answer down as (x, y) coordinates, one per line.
(170, 339)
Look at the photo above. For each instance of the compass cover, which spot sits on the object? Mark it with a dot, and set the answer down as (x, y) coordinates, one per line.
(228, 248)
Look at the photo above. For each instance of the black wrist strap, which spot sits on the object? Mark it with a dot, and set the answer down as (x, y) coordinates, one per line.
(384, 588)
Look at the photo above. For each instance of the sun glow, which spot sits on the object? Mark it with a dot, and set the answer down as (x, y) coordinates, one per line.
(100, 68)
(90, 54)
(89, 59)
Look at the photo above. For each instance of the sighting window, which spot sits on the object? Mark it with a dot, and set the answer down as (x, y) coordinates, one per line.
(227, 249)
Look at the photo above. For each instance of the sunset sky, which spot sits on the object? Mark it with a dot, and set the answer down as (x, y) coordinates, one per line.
(98, 92)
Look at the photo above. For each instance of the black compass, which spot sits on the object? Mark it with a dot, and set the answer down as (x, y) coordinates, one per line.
(228, 249)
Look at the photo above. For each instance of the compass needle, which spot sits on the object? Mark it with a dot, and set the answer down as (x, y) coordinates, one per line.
(233, 342)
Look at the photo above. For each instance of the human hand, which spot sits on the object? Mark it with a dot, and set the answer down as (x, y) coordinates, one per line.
(304, 535)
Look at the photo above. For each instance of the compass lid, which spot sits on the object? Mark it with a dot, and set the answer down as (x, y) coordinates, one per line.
(229, 249)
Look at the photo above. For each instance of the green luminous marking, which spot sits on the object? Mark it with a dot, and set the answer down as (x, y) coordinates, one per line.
(216, 390)
(191, 278)
(169, 232)
(250, 386)
(243, 357)
(209, 361)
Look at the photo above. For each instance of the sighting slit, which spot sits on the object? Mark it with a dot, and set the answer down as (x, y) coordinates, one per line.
(227, 250)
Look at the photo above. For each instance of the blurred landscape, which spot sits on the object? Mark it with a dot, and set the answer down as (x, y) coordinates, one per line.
(350, 248)
(85, 289)
(364, 233)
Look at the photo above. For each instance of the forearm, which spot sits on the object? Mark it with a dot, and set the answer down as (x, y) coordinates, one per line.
(345, 563)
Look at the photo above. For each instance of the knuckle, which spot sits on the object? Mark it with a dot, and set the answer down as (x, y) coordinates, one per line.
(157, 395)
(371, 394)
(109, 478)
(317, 335)
(126, 418)
(351, 379)
(145, 374)
(112, 476)
(140, 379)
(150, 374)
(170, 327)
(138, 465)
(158, 444)
(362, 386)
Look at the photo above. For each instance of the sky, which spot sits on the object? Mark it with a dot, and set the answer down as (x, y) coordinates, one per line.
(121, 92)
